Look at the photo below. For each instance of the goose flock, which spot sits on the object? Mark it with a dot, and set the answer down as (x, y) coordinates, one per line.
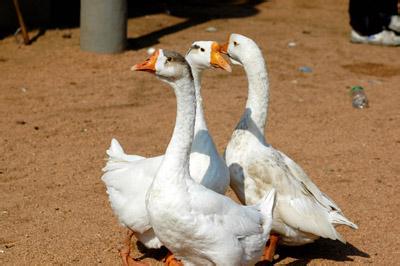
(177, 199)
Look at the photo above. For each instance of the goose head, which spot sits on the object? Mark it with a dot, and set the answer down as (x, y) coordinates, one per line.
(240, 48)
(168, 66)
(205, 54)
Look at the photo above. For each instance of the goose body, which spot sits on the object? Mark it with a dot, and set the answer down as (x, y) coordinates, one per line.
(200, 226)
(128, 177)
(303, 213)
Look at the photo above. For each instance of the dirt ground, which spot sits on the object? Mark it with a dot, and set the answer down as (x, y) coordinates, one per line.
(61, 106)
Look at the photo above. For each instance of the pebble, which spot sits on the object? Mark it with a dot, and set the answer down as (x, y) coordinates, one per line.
(374, 82)
(151, 50)
(66, 35)
(305, 69)
(2, 251)
(211, 29)
(24, 89)
(292, 44)
(9, 245)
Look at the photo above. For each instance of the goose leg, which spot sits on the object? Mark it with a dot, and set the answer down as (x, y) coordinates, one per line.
(269, 250)
(124, 252)
(170, 260)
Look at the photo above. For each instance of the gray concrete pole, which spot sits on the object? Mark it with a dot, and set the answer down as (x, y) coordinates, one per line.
(103, 25)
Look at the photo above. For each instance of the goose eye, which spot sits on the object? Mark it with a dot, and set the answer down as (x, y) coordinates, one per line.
(202, 49)
(169, 59)
(235, 43)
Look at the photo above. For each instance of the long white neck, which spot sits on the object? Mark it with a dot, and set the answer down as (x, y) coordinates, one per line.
(258, 92)
(176, 157)
(200, 122)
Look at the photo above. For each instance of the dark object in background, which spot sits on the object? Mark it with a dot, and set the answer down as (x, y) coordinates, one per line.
(368, 17)
(21, 22)
(38, 14)
(103, 25)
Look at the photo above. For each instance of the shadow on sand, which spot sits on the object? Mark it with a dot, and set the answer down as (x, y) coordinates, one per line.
(195, 13)
(320, 249)
(157, 254)
(65, 14)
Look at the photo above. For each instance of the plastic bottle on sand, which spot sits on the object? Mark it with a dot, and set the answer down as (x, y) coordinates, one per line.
(359, 98)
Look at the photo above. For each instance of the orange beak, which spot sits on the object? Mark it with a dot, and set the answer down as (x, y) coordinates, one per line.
(216, 58)
(149, 65)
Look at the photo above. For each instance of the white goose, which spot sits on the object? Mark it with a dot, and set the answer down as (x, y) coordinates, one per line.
(303, 213)
(128, 177)
(200, 226)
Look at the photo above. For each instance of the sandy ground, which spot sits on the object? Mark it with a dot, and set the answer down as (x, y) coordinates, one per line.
(60, 107)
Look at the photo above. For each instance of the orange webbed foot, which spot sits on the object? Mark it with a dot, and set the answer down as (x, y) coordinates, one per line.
(127, 260)
(269, 251)
(124, 252)
(170, 260)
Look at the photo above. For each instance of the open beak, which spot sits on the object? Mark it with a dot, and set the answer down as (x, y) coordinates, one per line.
(216, 58)
(149, 65)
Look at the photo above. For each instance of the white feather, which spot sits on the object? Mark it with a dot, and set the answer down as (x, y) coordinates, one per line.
(303, 213)
(128, 177)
